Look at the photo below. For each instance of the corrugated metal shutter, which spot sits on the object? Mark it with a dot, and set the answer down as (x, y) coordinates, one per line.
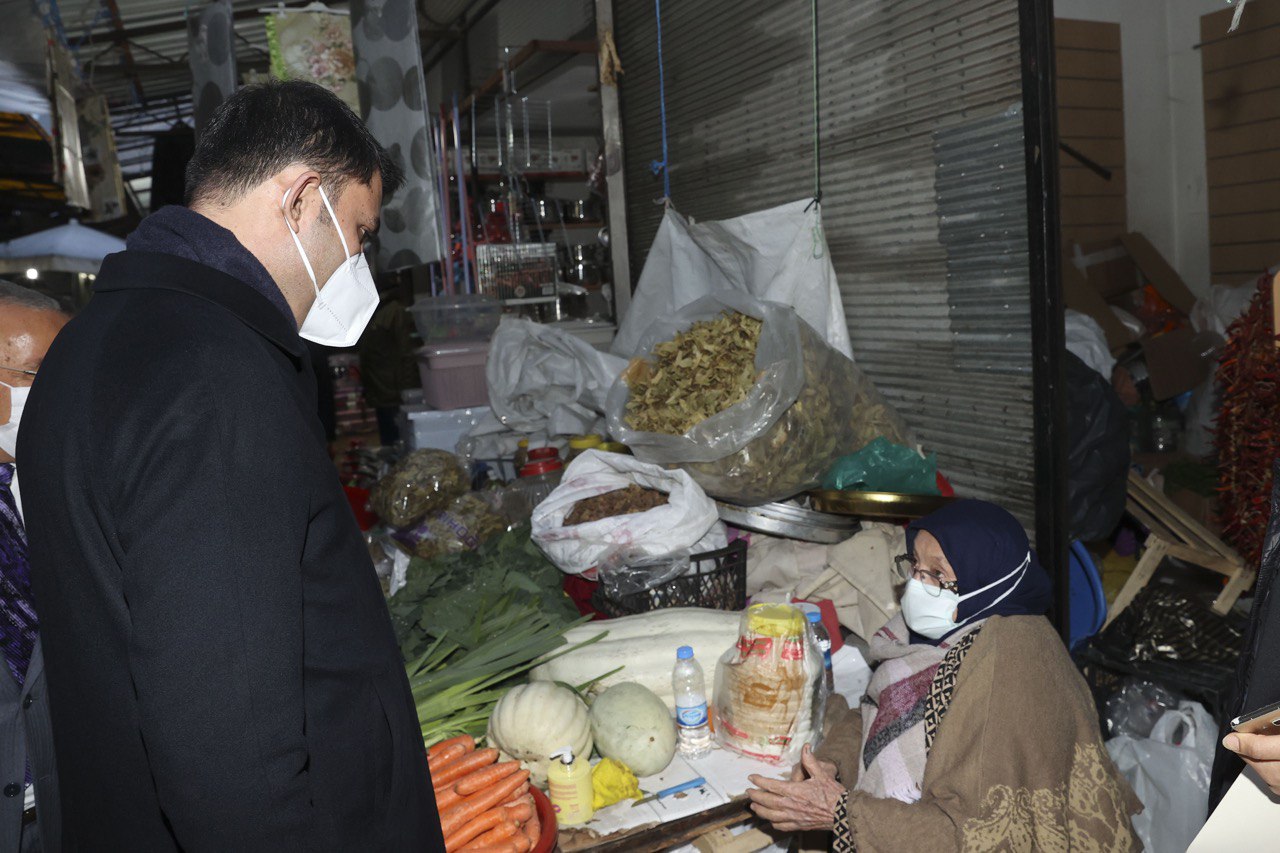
(924, 189)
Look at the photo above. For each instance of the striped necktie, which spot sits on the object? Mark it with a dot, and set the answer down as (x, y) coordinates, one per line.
(18, 622)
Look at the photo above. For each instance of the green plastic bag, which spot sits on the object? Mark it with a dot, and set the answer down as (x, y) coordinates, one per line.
(882, 466)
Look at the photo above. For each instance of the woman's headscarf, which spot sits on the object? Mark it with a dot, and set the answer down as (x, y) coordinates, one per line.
(984, 543)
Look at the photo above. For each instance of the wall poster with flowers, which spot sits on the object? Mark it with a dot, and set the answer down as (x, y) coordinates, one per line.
(314, 44)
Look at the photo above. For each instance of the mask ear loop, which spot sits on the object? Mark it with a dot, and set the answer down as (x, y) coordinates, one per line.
(325, 198)
(284, 202)
(1021, 572)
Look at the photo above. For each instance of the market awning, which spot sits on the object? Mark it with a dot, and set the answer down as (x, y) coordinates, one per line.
(66, 248)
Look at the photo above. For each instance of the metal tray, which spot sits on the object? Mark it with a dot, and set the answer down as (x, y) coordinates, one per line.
(791, 521)
(888, 505)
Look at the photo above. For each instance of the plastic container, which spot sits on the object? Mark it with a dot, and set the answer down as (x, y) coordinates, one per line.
(538, 479)
(569, 784)
(522, 453)
(614, 447)
(824, 644)
(468, 317)
(547, 817)
(439, 429)
(542, 454)
(689, 686)
(580, 444)
(716, 580)
(453, 375)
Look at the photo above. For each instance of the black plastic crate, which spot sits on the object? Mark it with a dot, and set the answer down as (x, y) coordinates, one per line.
(721, 588)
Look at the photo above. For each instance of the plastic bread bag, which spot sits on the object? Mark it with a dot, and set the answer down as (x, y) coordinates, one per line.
(804, 405)
(423, 482)
(686, 519)
(770, 689)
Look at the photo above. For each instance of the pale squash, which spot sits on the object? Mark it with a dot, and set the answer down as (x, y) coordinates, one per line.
(630, 724)
(531, 721)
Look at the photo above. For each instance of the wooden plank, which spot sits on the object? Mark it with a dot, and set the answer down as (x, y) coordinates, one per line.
(1255, 106)
(1242, 79)
(1205, 559)
(1091, 94)
(1246, 228)
(1239, 48)
(1235, 587)
(1085, 235)
(1245, 258)
(1104, 152)
(1092, 210)
(1087, 64)
(1246, 198)
(1151, 559)
(1086, 35)
(1244, 169)
(1077, 180)
(1247, 138)
(1175, 516)
(1091, 124)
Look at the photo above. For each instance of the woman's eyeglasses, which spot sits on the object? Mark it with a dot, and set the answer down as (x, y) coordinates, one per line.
(906, 567)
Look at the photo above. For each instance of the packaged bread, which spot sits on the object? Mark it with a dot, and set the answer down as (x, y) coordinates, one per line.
(770, 687)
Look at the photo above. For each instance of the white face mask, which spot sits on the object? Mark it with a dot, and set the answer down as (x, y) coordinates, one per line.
(9, 431)
(930, 611)
(348, 299)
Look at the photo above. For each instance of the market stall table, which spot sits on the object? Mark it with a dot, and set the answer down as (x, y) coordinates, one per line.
(721, 802)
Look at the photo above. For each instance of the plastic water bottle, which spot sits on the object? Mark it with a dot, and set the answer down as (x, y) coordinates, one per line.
(691, 705)
(824, 643)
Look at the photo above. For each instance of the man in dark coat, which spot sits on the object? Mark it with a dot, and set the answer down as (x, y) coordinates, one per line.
(222, 670)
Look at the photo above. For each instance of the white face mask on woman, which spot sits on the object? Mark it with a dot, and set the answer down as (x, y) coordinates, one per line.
(9, 430)
(349, 297)
(930, 611)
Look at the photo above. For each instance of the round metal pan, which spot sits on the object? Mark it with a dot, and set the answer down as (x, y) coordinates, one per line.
(791, 521)
(879, 505)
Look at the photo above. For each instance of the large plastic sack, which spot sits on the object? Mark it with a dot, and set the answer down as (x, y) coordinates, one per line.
(779, 254)
(1087, 342)
(770, 687)
(809, 405)
(687, 521)
(544, 380)
(883, 466)
(1169, 771)
(1097, 452)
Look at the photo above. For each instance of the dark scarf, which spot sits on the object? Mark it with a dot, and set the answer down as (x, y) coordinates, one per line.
(180, 231)
(983, 543)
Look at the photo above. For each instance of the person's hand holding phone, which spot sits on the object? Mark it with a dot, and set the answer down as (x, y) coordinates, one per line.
(1256, 739)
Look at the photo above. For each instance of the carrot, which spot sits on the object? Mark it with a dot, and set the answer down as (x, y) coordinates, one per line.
(477, 804)
(467, 741)
(500, 847)
(463, 767)
(501, 832)
(533, 830)
(485, 777)
(522, 844)
(519, 812)
(447, 797)
(521, 794)
(437, 762)
(456, 839)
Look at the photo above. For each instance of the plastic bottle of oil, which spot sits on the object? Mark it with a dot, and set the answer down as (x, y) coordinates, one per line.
(569, 784)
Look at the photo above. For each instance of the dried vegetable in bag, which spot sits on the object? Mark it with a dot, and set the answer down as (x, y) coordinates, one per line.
(462, 526)
(425, 481)
(770, 687)
(747, 432)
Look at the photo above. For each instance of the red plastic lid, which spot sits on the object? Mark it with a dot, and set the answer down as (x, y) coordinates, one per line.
(544, 453)
(542, 466)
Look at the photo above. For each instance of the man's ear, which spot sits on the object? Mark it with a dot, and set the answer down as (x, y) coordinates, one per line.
(301, 200)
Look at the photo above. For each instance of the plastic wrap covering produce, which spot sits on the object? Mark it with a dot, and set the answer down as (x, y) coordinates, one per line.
(770, 689)
(424, 481)
(468, 521)
(747, 398)
(1162, 624)
(1097, 453)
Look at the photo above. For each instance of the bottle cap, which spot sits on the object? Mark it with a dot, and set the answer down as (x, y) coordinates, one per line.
(544, 453)
(815, 616)
(565, 754)
(542, 466)
(684, 653)
(524, 442)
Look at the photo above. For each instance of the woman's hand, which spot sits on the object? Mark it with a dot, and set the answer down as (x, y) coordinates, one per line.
(808, 801)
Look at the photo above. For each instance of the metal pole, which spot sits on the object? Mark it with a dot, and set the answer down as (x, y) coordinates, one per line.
(1048, 345)
(610, 111)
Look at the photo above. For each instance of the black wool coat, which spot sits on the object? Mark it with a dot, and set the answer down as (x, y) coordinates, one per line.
(222, 669)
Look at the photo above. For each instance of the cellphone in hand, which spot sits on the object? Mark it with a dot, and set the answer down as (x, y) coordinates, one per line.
(1263, 721)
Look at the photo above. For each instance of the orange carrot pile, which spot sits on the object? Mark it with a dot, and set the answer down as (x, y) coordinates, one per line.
(484, 804)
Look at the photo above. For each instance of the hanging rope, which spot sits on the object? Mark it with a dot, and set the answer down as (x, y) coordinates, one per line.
(817, 111)
(661, 165)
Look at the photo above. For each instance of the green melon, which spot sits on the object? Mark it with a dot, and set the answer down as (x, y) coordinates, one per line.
(631, 724)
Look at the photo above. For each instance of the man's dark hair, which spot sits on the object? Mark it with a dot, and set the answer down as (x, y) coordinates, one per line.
(261, 129)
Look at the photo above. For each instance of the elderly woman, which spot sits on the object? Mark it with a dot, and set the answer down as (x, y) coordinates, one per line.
(976, 732)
